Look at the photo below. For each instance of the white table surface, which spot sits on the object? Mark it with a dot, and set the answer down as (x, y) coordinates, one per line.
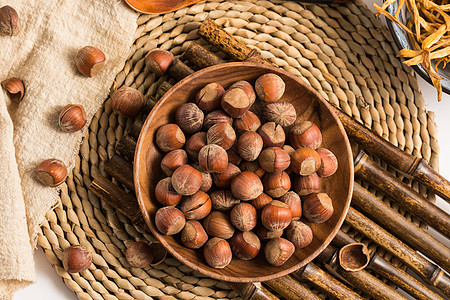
(50, 286)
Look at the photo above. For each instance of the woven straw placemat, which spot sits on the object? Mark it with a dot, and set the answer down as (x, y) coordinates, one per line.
(343, 51)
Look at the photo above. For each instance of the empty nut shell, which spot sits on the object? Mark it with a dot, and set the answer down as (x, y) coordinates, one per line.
(274, 159)
(299, 234)
(305, 161)
(72, 118)
(170, 137)
(15, 89)
(169, 220)
(139, 255)
(51, 172)
(193, 235)
(159, 61)
(76, 259)
(278, 251)
(218, 224)
(305, 134)
(209, 97)
(212, 158)
(249, 145)
(245, 245)
(276, 184)
(127, 101)
(243, 216)
(282, 113)
(90, 61)
(317, 208)
(246, 186)
(189, 117)
(217, 253)
(165, 193)
(197, 206)
(186, 180)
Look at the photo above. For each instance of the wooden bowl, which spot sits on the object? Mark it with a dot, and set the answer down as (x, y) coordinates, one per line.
(309, 105)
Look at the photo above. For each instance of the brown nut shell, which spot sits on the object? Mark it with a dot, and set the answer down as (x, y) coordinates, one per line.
(305, 185)
(218, 224)
(169, 220)
(15, 89)
(76, 258)
(221, 134)
(276, 215)
(223, 179)
(252, 166)
(269, 87)
(243, 216)
(193, 235)
(272, 134)
(276, 184)
(216, 116)
(282, 113)
(194, 143)
(172, 160)
(295, 204)
(9, 21)
(51, 172)
(127, 101)
(217, 253)
(159, 61)
(329, 163)
(223, 200)
(90, 61)
(165, 194)
(236, 102)
(207, 180)
(261, 201)
(245, 245)
(317, 208)
(249, 145)
(233, 157)
(278, 251)
(274, 159)
(139, 255)
(246, 186)
(210, 97)
(305, 134)
(213, 158)
(186, 180)
(197, 206)
(247, 122)
(72, 118)
(299, 234)
(170, 137)
(265, 234)
(247, 88)
(189, 117)
(305, 161)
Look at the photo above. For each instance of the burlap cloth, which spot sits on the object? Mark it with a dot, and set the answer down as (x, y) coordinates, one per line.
(42, 56)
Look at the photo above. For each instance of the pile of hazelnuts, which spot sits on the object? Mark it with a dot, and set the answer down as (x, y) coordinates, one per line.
(237, 179)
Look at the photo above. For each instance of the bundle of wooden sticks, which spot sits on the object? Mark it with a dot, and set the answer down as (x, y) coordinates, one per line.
(368, 214)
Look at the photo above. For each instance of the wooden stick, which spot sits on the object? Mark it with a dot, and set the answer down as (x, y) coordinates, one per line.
(200, 56)
(427, 270)
(121, 169)
(163, 88)
(126, 146)
(135, 129)
(179, 70)
(290, 288)
(402, 279)
(406, 197)
(249, 291)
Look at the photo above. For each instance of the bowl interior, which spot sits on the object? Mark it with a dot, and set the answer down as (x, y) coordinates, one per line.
(309, 105)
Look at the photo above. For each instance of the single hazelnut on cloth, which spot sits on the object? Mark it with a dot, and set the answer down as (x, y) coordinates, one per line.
(15, 88)
(90, 61)
(72, 118)
(9, 21)
(76, 259)
(51, 172)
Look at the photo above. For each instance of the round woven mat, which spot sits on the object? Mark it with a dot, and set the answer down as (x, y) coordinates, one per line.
(343, 51)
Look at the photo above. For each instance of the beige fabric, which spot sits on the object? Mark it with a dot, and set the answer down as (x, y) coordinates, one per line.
(42, 56)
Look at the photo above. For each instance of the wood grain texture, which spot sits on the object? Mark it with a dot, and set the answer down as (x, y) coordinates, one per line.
(290, 288)
(339, 186)
(200, 56)
(159, 6)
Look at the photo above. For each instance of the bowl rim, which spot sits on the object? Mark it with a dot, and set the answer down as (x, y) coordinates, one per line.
(177, 255)
(397, 32)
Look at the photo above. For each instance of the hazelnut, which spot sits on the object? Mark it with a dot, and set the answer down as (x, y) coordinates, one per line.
(90, 61)
(194, 143)
(236, 102)
(329, 163)
(305, 185)
(247, 88)
(207, 180)
(269, 87)
(221, 134)
(139, 255)
(212, 158)
(197, 206)
(218, 224)
(299, 234)
(9, 21)
(172, 160)
(261, 201)
(76, 259)
(305, 134)
(193, 235)
(209, 97)
(246, 186)
(159, 253)
(72, 118)
(223, 200)
(170, 137)
(305, 161)
(51, 172)
(265, 234)
(249, 145)
(247, 122)
(245, 245)
(223, 179)
(252, 166)
(186, 180)
(289, 149)
(189, 117)
(233, 157)
(15, 89)
(282, 113)
(165, 193)
(278, 251)
(317, 208)
(272, 134)
(295, 204)
(217, 253)
(243, 216)
(216, 116)
(127, 101)
(159, 61)
(276, 215)
(274, 159)
(169, 220)
(276, 184)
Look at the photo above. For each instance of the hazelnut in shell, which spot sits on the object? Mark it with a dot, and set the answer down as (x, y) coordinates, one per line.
(305, 161)
(51, 172)
(15, 89)
(305, 134)
(127, 101)
(278, 251)
(223, 200)
(295, 204)
(216, 116)
(218, 224)
(223, 179)
(209, 97)
(261, 201)
(165, 194)
(217, 253)
(252, 166)
(243, 216)
(274, 159)
(249, 145)
(247, 122)
(305, 185)
(139, 255)
(221, 134)
(197, 206)
(194, 143)
(317, 208)
(170, 137)
(269, 87)
(90, 61)
(186, 180)
(189, 117)
(276, 215)
(9, 21)
(207, 180)
(213, 158)
(76, 258)
(246, 186)
(272, 134)
(72, 118)
(169, 220)
(245, 245)
(299, 234)
(193, 235)
(276, 184)
(282, 113)
(172, 160)
(247, 88)
(329, 163)
(265, 234)
(236, 102)
(233, 157)
(159, 61)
